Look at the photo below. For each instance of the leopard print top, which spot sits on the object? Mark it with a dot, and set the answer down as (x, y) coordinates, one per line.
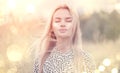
(59, 62)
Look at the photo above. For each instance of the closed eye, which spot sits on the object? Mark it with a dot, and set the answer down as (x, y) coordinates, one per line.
(57, 20)
(68, 19)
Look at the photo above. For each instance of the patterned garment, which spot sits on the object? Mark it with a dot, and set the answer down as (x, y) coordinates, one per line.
(59, 62)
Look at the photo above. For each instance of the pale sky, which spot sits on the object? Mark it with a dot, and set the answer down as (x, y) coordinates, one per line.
(44, 6)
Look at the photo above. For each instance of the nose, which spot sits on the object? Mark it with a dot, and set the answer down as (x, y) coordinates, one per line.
(62, 24)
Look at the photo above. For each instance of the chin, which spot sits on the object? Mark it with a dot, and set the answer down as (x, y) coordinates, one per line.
(64, 36)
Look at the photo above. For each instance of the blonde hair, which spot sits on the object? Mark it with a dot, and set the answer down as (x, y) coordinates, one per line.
(48, 41)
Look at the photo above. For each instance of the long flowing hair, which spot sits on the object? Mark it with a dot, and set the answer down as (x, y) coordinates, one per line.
(48, 41)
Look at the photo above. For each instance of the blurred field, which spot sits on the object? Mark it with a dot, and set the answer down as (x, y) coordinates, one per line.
(105, 50)
(23, 21)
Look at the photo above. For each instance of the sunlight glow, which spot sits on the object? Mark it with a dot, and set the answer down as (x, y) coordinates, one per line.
(114, 70)
(30, 8)
(117, 6)
(107, 62)
(11, 4)
(14, 53)
(101, 68)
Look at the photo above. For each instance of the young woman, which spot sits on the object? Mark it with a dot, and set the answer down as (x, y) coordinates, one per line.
(60, 50)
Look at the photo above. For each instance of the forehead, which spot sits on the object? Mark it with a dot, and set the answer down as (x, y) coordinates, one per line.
(62, 13)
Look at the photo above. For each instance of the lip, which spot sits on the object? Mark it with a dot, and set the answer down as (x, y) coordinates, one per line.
(62, 30)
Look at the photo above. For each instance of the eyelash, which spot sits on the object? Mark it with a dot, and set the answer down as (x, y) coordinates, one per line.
(57, 21)
(67, 20)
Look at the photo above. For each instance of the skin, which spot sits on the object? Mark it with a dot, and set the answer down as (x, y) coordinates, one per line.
(63, 28)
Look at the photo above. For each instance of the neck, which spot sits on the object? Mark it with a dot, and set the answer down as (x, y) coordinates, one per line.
(63, 44)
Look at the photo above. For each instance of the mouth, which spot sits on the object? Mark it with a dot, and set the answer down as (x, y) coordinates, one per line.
(62, 30)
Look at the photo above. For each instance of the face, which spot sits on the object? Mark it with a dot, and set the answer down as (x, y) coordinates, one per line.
(62, 24)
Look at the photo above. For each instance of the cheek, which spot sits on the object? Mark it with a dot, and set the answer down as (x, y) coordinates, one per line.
(55, 27)
(70, 27)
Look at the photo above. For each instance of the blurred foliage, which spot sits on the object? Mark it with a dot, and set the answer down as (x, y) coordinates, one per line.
(101, 26)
